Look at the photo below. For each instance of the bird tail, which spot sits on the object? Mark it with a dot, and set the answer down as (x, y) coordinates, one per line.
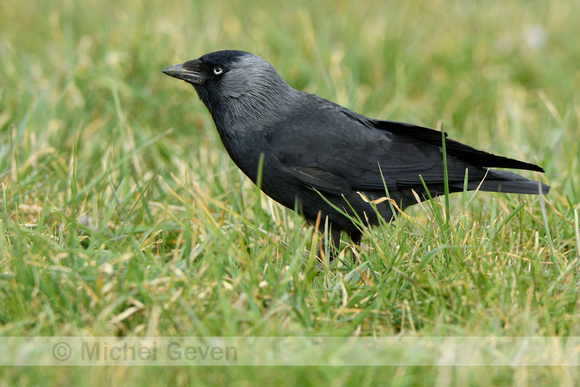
(506, 182)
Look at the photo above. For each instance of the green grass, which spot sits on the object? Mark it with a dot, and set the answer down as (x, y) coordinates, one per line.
(117, 196)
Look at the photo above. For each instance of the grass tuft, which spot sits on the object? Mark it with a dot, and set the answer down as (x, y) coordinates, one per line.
(122, 215)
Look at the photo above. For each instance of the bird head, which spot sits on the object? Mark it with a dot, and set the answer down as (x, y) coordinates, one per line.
(214, 69)
(227, 81)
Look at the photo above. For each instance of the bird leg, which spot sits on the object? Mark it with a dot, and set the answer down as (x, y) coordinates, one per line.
(356, 237)
(330, 244)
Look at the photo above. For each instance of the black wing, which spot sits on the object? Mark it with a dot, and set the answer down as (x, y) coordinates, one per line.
(335, 150)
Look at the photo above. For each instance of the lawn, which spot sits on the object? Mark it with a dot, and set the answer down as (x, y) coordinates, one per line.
(121, 215)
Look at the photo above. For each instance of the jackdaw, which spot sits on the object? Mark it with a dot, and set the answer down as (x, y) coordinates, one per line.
(327, 160)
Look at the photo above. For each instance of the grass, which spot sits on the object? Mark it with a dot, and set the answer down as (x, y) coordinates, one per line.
(122, 215)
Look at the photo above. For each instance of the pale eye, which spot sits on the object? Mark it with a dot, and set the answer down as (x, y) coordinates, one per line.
(218, 70)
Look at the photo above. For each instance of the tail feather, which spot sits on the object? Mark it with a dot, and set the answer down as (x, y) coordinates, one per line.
(506, 182)
(455, 148)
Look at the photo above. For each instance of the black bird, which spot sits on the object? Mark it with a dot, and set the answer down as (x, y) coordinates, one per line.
(312, 147)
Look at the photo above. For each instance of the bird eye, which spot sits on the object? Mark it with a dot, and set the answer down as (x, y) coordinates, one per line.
(218, 70)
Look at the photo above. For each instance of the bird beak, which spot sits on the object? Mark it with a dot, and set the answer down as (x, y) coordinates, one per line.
(189, 72)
